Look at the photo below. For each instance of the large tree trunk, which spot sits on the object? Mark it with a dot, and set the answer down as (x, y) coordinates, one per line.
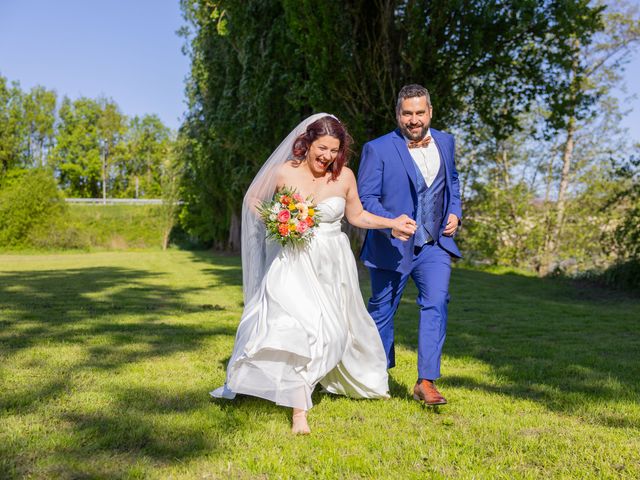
(234, 241)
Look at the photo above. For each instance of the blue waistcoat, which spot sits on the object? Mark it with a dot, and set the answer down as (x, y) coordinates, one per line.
(430, 206)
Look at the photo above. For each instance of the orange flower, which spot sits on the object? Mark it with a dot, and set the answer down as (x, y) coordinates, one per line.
(309, 221)
(285, 200)
(283, 229)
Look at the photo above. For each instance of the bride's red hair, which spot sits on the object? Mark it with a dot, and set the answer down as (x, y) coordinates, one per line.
(325, 126)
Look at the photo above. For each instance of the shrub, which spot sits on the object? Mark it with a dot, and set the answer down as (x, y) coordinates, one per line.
(60, 234)
(625, 275)
(30, 204)
(118, 227)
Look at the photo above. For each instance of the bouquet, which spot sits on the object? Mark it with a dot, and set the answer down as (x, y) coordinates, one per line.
(289, 218)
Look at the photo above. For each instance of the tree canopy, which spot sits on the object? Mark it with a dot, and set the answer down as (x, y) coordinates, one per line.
(259, 67)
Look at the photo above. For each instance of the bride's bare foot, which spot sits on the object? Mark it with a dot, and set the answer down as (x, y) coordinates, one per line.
(299, 425)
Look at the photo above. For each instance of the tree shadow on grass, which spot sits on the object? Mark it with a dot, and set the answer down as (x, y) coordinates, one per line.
(398, 390)
(75, 303)
(550, 341)
(23, 399)
(139, 425)
(118, 316)
(111, 312)
(224, 269)
(160, 424)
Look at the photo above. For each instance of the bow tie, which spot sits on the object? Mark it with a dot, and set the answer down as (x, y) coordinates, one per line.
(420, 144)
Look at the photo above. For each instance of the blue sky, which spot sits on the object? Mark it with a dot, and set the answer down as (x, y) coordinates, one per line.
(129, 51)
(124, 49)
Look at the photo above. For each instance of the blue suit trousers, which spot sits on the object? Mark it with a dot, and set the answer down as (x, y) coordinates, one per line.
(431, 270)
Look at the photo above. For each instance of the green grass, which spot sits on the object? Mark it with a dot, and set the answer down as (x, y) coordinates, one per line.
(106, 360)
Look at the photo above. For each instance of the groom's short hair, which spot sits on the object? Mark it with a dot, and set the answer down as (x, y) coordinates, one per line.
(411, 91)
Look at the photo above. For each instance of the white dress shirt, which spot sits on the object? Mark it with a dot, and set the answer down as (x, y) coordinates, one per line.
(427, 159)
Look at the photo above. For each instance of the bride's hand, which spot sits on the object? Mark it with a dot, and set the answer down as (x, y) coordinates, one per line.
(403, 227)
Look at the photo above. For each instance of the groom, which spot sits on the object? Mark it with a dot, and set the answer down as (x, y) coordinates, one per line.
(411, 170)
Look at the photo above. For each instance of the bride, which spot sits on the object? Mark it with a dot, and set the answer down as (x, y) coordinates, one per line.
(304, 320)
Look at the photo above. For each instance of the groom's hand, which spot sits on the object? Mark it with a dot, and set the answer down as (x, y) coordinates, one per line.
(452, 225)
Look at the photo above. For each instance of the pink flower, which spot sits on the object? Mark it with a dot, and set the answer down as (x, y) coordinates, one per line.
(297, 197)
(284, 216)
(302, 227)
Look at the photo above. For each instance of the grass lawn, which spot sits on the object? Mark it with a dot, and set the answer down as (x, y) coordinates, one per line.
(106, 360)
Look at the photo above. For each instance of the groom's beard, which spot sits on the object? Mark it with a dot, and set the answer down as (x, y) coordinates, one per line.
(412, 136)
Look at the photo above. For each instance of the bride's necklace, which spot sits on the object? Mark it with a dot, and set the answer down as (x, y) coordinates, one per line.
(313, 177)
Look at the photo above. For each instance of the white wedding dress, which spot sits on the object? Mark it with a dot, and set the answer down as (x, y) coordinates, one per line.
(308, 324)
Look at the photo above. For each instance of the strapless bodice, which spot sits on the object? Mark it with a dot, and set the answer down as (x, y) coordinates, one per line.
(331, 211)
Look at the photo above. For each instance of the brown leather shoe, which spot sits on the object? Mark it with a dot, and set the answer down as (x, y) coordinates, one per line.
(426, 392)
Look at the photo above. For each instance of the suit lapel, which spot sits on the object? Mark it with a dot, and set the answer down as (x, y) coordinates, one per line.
(409, 165)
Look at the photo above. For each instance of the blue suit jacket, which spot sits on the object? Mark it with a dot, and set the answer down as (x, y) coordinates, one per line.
(387, 187)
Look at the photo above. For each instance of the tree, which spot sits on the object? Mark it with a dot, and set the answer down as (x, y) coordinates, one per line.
(500, 184)
(147, 145)
(240, 107)
(483, 62)
(40, 116)
(626, 235)
(259, 67)
(76, 155)
(171, 174)
(593, 68)
(110, 130)
(13, 128)
(91, 146)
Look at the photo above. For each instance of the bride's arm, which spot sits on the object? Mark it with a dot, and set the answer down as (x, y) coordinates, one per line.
(359, 217)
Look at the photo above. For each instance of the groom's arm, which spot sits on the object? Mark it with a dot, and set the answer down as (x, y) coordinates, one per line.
(370, 184)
